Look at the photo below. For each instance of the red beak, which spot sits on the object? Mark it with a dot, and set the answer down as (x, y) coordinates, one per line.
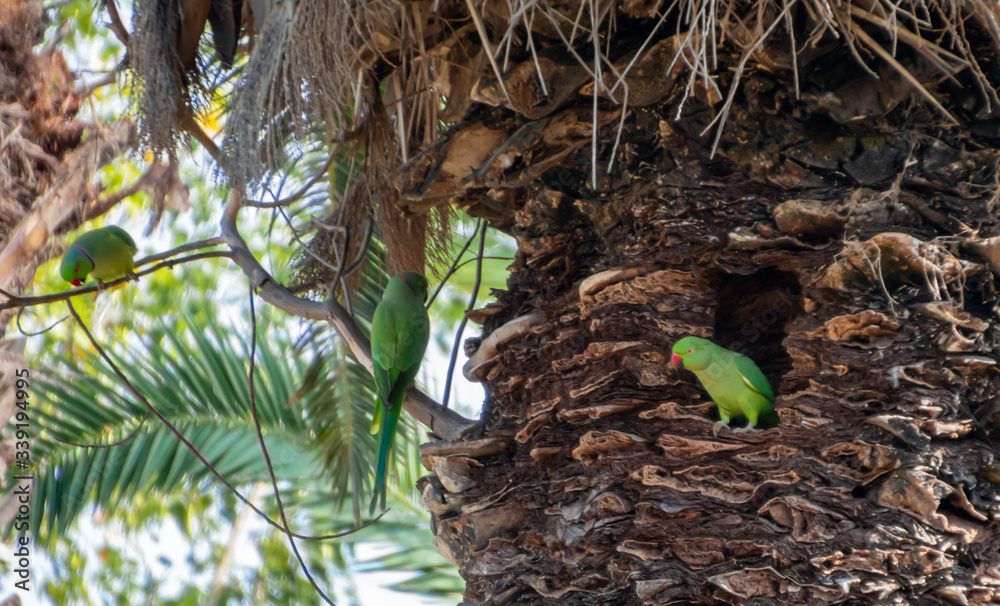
(77, 282)
(675, 360)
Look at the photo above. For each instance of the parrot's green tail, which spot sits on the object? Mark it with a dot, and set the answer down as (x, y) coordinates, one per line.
(387, 435)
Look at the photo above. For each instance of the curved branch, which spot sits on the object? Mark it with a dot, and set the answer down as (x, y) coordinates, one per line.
(442, 422)
(454, 267)
(127, 437)
(189, 123)
(297, 195)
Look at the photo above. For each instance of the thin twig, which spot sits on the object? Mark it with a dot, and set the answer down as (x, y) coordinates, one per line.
(297, 195)
(183, 248)
(723, 115)
(489, 51)
(642, 48)
(188, 443)
(465, 316)
(117, 27)
(40, 332)
(267, 457)
(621, 128)
(305, 247)
(902, 71)
(342, 273)
(486, 258)
(16, 301)
(128, 437)
(343, 269)
(454, 265)
(362, 252)
(598, 87)
(338, 271)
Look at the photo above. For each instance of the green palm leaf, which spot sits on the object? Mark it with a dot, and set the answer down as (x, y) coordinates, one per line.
(200, 385)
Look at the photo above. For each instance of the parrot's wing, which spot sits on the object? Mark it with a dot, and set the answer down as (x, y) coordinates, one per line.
(383, 349)
(752, 376)
(116, 232)
(383, 386)
(399, 337)
(402, 383)
(416, 331)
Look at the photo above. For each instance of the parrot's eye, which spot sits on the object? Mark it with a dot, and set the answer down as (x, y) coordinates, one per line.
(690, 351)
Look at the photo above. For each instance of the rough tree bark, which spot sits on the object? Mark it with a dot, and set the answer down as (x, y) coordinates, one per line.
(846, 240)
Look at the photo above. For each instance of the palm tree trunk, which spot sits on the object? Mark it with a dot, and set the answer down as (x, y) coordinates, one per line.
(851, 257)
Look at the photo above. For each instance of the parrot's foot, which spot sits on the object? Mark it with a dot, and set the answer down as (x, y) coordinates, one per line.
(132, 276)
(746, 429)
(718, 425)
(100, 285)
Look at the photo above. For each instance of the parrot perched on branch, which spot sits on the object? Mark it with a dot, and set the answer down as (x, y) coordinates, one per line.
(732, 380)
(400, 330)
(104, 254)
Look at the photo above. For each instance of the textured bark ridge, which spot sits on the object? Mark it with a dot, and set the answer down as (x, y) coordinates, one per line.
(853, 260)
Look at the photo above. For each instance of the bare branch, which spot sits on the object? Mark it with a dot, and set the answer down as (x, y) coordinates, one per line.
(444, 423)
(97, 207)
(117, 27)
(127, 438)
(297, 195)
(190, 124)
(88, 89)
(173, 252)
(454, 266)
(465, 317)
(25, 333)
(13, 301)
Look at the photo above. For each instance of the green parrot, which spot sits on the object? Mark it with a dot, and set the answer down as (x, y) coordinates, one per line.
(400, 330)
(104, 254)
(732, 380)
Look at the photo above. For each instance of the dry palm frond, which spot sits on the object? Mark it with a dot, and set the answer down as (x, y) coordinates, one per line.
(301, 74)
(157, 76)
(311, 56)
(888, 58)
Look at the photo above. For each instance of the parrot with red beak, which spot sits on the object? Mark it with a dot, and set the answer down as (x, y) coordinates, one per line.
(104, 254)
(732, 380)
